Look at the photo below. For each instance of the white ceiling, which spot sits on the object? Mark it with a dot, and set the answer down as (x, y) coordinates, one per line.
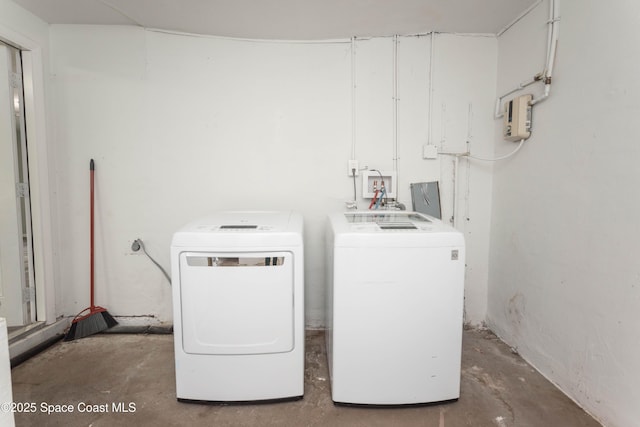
(287, 19)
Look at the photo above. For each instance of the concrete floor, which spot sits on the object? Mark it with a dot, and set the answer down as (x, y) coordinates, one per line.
(497, 389)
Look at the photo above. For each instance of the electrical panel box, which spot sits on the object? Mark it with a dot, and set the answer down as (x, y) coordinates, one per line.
(517, 118)
(429, 151)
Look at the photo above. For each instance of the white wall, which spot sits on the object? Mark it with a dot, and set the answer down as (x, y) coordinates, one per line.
(564, 279)
(463, 94)
(182, 126)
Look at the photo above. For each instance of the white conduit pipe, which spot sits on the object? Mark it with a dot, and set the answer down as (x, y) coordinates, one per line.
(552, 46)
(353, 97)
(545, 75)
(456, 169)
(454, 204)
(430, 118)
(495, 159)
(395, 111)
(454, 213)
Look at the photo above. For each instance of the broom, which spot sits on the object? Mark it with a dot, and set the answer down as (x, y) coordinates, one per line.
(92, 319)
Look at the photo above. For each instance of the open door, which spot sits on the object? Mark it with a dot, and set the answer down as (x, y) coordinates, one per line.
(17, 285)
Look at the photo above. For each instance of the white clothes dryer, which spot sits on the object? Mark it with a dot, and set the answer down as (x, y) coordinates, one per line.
(394, 308)
(238, 307)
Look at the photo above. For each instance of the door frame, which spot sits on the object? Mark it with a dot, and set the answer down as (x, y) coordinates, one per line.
(43, 212)
(18, 285)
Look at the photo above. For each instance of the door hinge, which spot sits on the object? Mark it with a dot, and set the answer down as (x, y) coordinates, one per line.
(28, 294)
(22, 189)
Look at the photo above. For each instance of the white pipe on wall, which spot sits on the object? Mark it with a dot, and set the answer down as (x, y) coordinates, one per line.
(552, 45)
(430, 118)
(554, 21)
(454, 213)
(353, 98)
(545, 75)
(456, 170)
(395, 111)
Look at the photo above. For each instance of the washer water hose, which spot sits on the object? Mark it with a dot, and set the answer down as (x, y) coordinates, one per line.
(137, 245)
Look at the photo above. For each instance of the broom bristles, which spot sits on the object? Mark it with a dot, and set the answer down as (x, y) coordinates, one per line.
(89, 325)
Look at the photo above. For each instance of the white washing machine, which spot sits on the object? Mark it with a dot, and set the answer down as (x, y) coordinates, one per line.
(394, 308)
(238, 307)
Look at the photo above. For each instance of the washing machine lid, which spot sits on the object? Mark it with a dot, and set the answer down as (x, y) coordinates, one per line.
(393, 220)
(391, 228)
(242, 229)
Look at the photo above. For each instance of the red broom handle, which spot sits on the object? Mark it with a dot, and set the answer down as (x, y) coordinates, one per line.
(92, 171)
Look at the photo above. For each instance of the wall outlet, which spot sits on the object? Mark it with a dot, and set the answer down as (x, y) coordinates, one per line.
(353, 164)
(136, 245)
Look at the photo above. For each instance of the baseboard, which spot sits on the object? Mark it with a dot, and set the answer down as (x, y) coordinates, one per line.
(37, 338)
